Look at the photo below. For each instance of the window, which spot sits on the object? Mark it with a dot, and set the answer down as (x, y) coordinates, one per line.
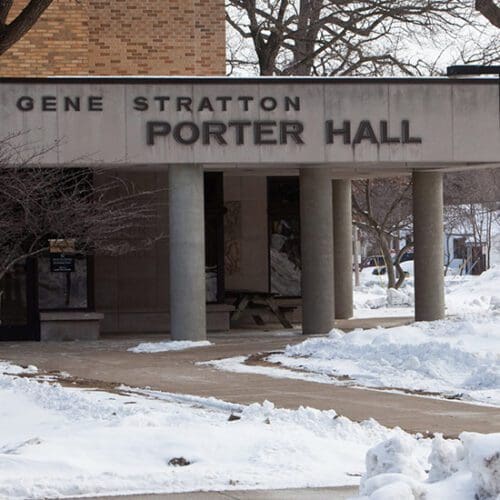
(284, 236)
(459, 248)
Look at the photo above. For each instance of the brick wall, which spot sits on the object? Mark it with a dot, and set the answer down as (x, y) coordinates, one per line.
(122, 37)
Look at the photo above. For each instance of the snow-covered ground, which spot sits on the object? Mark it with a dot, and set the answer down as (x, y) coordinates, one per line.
(57, 441)
(463, 294)
(458, 357)
(170, 345)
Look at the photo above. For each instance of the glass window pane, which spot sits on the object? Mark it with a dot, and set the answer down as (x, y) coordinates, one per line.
(284, 244)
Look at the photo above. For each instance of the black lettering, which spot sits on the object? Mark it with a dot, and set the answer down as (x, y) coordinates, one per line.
(141, 104)
(161, 99)
(384, 134)
(193, 130)
(405, 134)
(25, 103)
(156, 129)
(239, 127)
(71, 104)
(245, 100)
(292, 129)
(49, 103)
(292, 103)
(95, 103)
(365, 131)
(268, 103)
(205, 104)
(264, 128)
(331, 132)
(215, 129)
(184, 102)
(224, 100)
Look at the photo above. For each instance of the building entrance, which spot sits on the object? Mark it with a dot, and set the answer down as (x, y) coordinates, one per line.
(19, 318)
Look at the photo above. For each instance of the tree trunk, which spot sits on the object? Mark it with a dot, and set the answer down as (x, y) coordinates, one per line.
(386, 252)
(397, 263)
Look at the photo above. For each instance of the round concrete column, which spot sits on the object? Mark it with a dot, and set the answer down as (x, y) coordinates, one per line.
(342, 248)
(316, 242)
(429, 246)
(187, 252)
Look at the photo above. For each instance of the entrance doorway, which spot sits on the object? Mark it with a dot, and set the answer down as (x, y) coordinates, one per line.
(19, 319)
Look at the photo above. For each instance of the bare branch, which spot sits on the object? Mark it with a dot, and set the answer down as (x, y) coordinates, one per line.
(490, 11)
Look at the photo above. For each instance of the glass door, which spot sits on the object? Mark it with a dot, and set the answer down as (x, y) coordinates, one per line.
(18, 308)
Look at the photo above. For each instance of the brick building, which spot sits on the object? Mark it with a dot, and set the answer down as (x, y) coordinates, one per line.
(121, 37)
(256, 171)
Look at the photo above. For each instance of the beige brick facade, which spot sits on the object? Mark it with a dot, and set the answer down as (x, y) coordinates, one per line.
(122, 37)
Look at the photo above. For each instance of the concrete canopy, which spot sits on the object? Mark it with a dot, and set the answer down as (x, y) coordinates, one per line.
(353, 125)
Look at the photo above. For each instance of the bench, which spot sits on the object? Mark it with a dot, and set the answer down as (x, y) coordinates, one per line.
(251, 299)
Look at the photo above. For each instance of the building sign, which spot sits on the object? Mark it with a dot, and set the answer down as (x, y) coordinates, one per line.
(255, 121)
(239, 132)
(62, 263)
(62, 255)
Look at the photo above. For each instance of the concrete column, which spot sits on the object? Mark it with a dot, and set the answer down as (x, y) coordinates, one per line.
(342, 248)
(187, 252)
(429, 246)
(316, 240)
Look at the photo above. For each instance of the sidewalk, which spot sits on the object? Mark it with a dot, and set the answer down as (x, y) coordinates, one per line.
(107, 363)
(342, 493)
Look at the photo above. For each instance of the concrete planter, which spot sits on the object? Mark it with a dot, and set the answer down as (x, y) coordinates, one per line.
(69, 325)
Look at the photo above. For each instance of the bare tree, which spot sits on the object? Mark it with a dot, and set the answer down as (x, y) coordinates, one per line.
(332, 37)
(382, 207)
(472, 204)
(13, 31)
(490, 10)
(39, 203)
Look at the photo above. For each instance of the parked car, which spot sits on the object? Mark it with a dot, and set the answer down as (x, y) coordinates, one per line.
(406, 257)
(372, 261)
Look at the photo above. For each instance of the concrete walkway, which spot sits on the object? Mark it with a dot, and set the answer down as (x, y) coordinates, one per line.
(342, 493)
(108, 362)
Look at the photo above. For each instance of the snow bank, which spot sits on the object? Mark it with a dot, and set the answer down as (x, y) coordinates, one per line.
(173, 345)
(464, 294)
(460, 470)
(57, 441)
(374, 294)
(453, 357)
(477, 294)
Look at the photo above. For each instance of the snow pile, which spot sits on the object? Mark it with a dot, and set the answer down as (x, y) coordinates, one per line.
(464, 294)
(477, 294)
(374, 294)
(459, 357)
(57, 441)
(173, 345)
(463, 470)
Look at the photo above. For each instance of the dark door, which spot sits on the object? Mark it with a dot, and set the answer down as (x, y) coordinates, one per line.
(214, 236)
(19, 318)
